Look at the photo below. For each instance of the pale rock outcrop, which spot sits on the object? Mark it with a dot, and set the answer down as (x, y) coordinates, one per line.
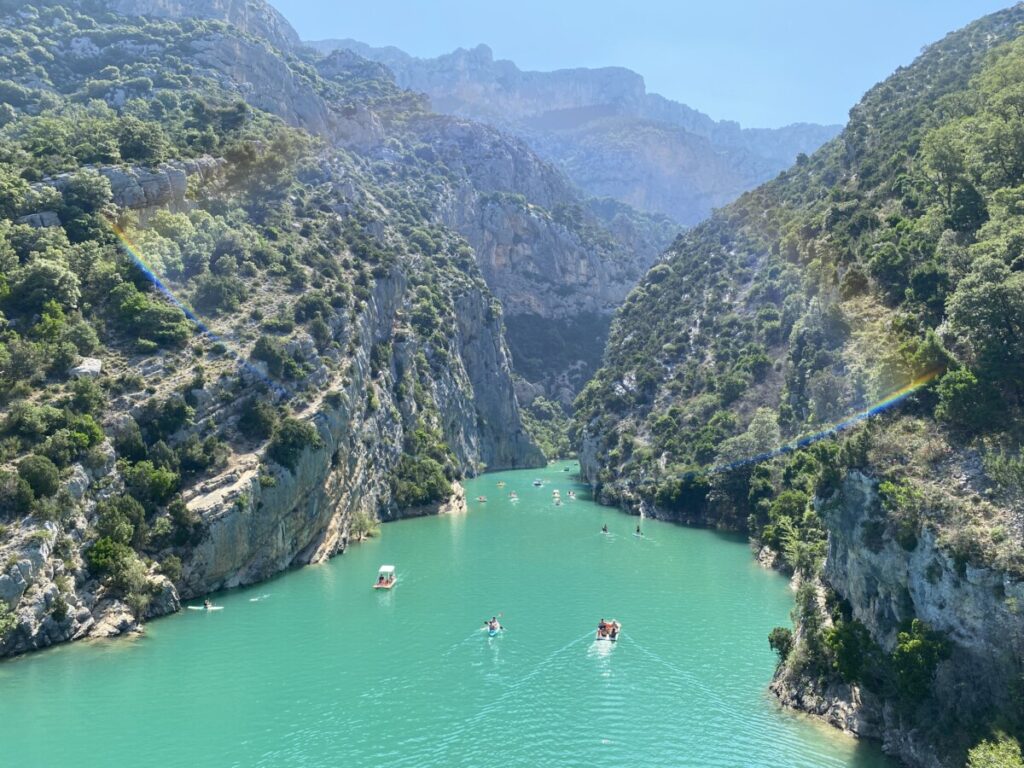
(258, 19)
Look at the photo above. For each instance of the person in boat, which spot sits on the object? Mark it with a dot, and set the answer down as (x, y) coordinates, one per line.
(613, 630)
(602, 628)
(638, 531)
(207, 604)
(604, 528)
(493, 625)
(382, 579)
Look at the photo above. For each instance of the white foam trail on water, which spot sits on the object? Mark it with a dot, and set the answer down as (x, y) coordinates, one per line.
(488, 708)
(688, 677)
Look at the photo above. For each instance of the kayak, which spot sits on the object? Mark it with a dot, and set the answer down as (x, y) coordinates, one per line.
(204, 608)
(494, 632)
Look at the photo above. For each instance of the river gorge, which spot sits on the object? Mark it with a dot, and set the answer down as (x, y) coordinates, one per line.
(315, 668)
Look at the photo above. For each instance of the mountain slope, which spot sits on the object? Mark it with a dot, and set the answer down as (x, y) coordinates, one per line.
(883, 269)
(608, 134)
(229, 345)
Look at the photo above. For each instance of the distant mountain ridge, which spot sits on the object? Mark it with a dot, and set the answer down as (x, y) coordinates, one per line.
(604, 129)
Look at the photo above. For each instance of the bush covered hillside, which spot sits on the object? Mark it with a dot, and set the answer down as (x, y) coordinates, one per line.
(891, 257)
(227, 344)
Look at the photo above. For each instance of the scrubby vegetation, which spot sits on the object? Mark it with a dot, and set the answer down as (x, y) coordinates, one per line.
(221, 317)
(890, 259)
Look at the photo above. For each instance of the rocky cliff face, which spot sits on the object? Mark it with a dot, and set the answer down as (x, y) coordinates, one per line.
(342, 305)
(252, 528)
(546, 251)
(887, 584)
(600, 126)
(256, 19)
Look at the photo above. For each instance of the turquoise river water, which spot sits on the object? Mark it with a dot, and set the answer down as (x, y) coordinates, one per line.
(315, 668)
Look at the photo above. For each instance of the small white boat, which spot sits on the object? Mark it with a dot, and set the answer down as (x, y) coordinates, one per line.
(206, 607)
(385, 577)
(538, 483)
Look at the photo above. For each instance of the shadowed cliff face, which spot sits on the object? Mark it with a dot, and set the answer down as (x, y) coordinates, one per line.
(603, 129)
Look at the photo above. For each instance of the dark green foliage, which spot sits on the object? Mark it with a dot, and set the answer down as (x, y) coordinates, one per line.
(219, 293)
(137, 313)
(257, 419)
(41, 474)
(170, 567)
(87, 397)
(122, 520)
(420, 481)
(107, 557)
(151, 485)
(853, 651)
(291, 437)
(1001, 751)
(918, 652)
(16, 495)
(548, 425)
(424, 471)
(160, 419)
(196, 456)
(780, 640)
(280, 363)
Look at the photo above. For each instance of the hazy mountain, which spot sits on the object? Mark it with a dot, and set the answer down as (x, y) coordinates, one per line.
(602, 127)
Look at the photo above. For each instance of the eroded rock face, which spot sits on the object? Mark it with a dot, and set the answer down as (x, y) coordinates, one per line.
(603, 129)
(888, 584)
(140, 189)
(255, 18)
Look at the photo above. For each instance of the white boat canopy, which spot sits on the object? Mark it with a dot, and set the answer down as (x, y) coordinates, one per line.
(387, 570)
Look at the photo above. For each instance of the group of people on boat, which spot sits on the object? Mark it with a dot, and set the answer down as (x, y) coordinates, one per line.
(383, 580)
(493, 625)
(608, 630)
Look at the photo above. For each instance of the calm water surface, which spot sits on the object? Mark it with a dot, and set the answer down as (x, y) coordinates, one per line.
(317, 669)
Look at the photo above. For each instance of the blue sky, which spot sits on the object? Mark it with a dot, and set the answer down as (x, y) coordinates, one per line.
(761, 62)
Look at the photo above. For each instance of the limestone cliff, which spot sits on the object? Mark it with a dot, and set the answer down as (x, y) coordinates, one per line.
(602, 128)
(887, 584)
(256, 19)
(288, 342)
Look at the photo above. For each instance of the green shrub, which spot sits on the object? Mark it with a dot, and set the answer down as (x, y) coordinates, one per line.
(918, 652)
(1002, 751)
(418, 481)
(290, 438)
(780, 640)
(966, 402)
(16, 495)
(170, 567)
(107, 556)
(8, 620)
(41, 474)
(149, 484)
(851, 647)
(257, 419)
(121, 519)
